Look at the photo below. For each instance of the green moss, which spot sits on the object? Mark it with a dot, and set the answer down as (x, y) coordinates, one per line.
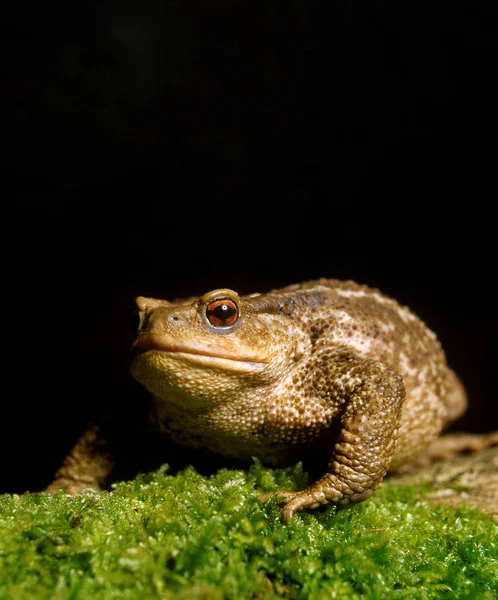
(189, 536)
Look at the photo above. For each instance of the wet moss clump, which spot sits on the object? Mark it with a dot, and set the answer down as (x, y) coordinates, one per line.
(190, 536)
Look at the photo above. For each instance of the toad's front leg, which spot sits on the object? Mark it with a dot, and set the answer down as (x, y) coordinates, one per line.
(86, 466)
(373, 396)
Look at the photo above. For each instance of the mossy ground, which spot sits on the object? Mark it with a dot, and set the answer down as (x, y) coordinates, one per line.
(189, 536)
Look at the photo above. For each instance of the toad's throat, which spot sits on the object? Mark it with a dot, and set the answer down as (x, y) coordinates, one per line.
(188, 351)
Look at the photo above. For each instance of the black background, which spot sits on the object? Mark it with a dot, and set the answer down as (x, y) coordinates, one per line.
(168, 148)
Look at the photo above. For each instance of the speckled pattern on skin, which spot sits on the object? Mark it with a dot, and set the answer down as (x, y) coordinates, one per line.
(326, 367)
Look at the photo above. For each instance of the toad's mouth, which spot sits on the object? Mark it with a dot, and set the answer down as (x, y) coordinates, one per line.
(200, 355)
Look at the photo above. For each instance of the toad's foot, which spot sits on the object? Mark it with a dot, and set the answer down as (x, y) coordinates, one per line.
(319, 494)
(450, 445)
(72, 486)
(294, 501)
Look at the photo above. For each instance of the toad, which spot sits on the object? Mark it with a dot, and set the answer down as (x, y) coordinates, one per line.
(325, 369)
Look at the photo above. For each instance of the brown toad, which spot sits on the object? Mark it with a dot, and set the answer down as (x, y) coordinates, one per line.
(325, 368)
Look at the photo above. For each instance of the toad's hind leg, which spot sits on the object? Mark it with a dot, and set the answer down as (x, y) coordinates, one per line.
(372, 395)
(426, 413)
(456, 397)
(450, 445)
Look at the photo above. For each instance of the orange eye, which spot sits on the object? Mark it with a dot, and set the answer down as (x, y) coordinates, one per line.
(222, 313)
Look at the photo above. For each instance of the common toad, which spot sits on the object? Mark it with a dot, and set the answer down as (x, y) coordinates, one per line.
(325, 368)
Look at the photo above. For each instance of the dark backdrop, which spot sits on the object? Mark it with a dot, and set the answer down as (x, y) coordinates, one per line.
(167, 148)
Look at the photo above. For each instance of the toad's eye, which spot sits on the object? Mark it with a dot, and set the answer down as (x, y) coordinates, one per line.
(222, 313)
